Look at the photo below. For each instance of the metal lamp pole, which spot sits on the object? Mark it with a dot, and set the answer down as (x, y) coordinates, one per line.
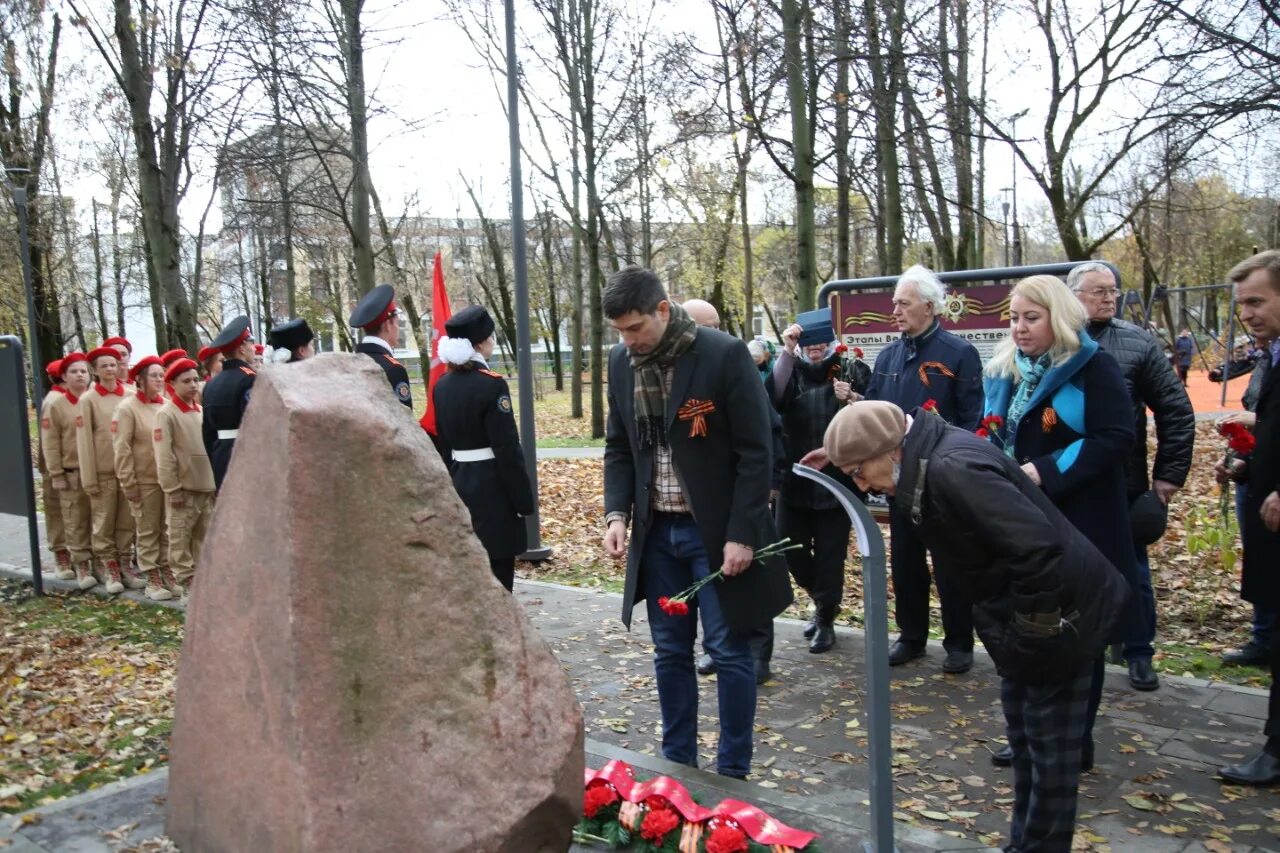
(524, 353)
(24, 241)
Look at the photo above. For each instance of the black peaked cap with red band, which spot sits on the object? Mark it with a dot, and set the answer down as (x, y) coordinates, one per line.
(232, 335)
(374, 308)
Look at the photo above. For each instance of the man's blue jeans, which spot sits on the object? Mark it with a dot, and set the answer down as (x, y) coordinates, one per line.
(1265, 619)
(673, 559)
(1140, 631)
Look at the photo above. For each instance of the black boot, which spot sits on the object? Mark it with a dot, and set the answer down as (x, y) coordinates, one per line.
(824, 637)
(812, 624)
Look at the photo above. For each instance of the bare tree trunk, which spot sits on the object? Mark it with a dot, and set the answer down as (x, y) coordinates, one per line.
(795, 15)
(99, 294)
(357, 109)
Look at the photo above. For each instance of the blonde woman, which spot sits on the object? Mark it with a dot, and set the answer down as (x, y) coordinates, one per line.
(1065, 419)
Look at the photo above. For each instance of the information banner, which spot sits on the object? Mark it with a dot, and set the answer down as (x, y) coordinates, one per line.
(980, 315)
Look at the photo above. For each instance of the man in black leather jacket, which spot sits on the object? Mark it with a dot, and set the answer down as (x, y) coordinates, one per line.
(1152, 384)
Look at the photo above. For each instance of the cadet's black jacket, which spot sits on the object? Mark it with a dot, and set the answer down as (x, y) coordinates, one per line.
(473, 411)
(725, 473)
(225, 398)
(1010, 547)
(396, 373)
(1152, 384)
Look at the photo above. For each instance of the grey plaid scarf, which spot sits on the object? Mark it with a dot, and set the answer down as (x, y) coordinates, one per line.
(651, 389)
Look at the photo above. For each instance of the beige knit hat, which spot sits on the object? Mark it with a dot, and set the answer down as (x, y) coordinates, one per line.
(864, 430)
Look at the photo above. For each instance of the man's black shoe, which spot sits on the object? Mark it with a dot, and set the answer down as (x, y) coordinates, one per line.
(824, 639)
(706, 666)
(1142, 675)
(958, 662)
(1262, 769)
(810, 627)
(1003, 757)
(1250, 654)
(763, 673)
(901, 652)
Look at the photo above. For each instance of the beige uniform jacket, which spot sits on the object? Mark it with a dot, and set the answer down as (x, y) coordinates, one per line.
(94, 414)
(134, 443)
(58, 433)
(181, 460)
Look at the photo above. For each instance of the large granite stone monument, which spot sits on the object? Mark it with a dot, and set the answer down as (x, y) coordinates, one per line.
(353, 678)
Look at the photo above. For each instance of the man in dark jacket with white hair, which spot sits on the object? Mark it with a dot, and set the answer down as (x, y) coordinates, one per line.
(1152, 385)
(1044, 598)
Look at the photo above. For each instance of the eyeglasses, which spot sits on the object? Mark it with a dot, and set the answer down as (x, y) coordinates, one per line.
(856, 473)
(1103, 292)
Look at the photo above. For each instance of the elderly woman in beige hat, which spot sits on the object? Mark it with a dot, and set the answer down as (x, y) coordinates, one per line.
(1044, 598)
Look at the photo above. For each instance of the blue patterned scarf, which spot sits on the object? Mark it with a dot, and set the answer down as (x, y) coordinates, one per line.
(1032, 370)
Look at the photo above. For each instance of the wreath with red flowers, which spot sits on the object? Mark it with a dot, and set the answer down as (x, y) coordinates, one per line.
(661, 815)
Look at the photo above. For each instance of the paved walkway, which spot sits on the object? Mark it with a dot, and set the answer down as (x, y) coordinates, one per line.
(1153, 788)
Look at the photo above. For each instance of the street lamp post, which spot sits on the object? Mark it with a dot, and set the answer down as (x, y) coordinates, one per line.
(524, 353)
(1005, 206)
(1013, 152)
(19, 192)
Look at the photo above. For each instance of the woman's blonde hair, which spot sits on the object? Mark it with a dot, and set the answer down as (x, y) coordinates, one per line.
(1066, 317)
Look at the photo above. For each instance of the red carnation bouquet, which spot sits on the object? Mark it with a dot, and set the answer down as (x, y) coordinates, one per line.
(678, 605)
(1240, 443)
(990, 430)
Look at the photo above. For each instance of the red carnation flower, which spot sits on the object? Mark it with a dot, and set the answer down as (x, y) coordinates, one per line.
(598, 797)
(981, 432)
(841, 349)
(1243, 443)
(727, 839)
(656, 824)
(930, 405)
(993, 422)
(672, 607)
(857, 352)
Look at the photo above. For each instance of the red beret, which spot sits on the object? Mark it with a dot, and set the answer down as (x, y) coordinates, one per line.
(206, 353)
(172, 355)
(100, 352)
(142, 365)
(178, 368)
(54, 369)
(118, 341)
(70, 359)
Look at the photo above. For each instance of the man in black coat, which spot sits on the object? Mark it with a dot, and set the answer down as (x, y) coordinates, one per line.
(1044, 598)
(927, 364)
(1152, 385)
(687, 456)
(1257, 294)
(226, 395)
(378, 315)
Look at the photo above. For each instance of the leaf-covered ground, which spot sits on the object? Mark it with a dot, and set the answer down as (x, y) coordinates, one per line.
(86, 692)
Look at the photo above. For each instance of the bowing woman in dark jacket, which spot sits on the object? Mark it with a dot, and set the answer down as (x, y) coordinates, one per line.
(1066, 421)
(479, 442)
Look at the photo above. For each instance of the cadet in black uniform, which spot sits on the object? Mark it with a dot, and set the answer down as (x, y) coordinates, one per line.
(378, 315)
(292, 341)
(479, 442)
(226, 396)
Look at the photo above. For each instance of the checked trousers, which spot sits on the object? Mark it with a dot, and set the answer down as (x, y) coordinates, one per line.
(1046, 724)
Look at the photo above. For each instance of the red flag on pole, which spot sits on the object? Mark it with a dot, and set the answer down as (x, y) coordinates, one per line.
(440, 314)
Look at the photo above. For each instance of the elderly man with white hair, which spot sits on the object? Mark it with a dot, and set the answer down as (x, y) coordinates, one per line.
(1152, 385)
(928, 367)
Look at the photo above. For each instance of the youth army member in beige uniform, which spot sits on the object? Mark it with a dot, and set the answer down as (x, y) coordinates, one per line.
(132, 434)
(112, 521)
(54, 531)
(62, 459)
(183, 470)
